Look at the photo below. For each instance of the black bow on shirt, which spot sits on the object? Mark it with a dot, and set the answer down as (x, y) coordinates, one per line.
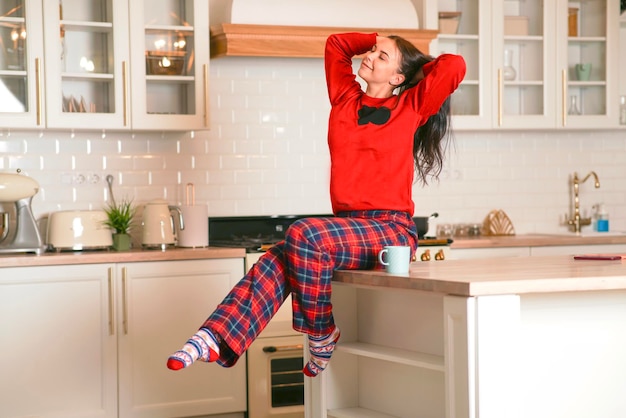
(376, 115)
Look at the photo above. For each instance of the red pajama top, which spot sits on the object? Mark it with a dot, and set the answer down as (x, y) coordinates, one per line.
(372, 164)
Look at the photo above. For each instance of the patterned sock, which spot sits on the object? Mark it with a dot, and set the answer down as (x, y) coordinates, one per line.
(201, 346)
(320, 348)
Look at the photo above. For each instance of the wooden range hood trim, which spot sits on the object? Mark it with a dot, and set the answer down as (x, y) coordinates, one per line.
(244, 40)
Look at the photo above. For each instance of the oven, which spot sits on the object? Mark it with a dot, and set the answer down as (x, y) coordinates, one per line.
(275, 378)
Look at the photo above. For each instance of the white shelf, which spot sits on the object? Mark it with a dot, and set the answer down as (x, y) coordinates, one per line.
(356, 413)
(394, 355)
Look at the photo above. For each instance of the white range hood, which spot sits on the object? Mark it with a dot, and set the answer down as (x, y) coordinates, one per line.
(338, 13)
(299, 28)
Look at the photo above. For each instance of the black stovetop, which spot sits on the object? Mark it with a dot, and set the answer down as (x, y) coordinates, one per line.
(256, 233)
(251, 232)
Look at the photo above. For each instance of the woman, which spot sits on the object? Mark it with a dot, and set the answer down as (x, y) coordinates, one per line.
(378, 141)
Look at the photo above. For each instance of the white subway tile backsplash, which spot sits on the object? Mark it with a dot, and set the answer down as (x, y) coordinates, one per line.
(235, 192)
(266, 153)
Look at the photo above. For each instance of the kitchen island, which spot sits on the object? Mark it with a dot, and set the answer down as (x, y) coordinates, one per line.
(510, 337)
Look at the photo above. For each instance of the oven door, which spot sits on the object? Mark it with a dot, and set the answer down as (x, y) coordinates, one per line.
(275, 378)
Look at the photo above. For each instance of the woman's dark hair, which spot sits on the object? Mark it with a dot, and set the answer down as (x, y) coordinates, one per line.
(430, 139)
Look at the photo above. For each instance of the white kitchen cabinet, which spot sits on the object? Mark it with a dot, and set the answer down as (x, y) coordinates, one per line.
(87, 61)
(382, 367)
(578, 249)
(21, 65)
(93, 340)
(58, 342)
(161, 305)
(105, 64)
(160, 99)
(543, 55)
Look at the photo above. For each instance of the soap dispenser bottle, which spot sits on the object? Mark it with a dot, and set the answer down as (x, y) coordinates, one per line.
(602, 218)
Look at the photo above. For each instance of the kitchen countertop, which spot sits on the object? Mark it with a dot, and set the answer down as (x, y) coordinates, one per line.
(104, 256)
(537, 240)
(499, 276)
(172, 254)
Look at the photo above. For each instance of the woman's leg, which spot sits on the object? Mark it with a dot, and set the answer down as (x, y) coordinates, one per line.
(241, 316)
(303, 264)
(314, 248)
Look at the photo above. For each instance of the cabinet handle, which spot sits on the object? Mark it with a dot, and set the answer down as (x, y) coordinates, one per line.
(124, 302)
(279, 348)
(564, 97)
(38, 89)
(205, 74)
(111, 309)
(125, 92)
(499, 96)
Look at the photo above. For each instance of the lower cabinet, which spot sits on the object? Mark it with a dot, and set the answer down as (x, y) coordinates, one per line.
(465, 253)
(92, 340)
(389, 361)
(578, 249)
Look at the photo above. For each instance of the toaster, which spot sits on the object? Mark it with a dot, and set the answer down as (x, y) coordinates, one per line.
(78, 230)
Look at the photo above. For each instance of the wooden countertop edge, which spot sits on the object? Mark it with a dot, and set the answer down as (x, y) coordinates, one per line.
(133, 256)
(511, 275)
(535, 240)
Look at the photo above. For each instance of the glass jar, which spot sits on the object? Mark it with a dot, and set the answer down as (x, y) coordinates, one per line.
(622, 110)
(508, 72)
(573, 106)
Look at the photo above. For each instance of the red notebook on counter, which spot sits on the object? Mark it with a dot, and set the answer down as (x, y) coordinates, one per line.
(600, 257)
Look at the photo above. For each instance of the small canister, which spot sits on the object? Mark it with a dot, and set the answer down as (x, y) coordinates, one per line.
(602, 218)
(195, 234)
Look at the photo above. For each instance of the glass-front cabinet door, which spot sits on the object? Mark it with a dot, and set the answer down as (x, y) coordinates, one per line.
(104, 64)
(524, 77)
(464, 29)
(588, 63)
(170, 50)
(87, 59)
(21, 64)
(533, 64)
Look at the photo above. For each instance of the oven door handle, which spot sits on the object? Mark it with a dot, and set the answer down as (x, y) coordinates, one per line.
(280, 348)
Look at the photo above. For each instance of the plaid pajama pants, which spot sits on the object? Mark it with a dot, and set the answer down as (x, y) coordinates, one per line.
(303, 265)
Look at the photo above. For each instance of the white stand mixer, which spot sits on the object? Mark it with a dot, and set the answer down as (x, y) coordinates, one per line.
(20, 189)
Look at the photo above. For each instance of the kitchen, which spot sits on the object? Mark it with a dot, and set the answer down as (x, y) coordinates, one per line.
(266, 154)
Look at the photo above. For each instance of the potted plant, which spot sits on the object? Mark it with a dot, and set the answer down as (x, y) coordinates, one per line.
(119, 219)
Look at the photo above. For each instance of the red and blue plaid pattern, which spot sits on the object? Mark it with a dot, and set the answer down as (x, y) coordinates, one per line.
(303, 265)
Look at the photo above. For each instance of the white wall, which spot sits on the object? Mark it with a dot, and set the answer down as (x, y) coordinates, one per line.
(266, 154)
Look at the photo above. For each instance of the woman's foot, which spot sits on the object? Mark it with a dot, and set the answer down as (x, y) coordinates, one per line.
(320, 348)
(201, 346)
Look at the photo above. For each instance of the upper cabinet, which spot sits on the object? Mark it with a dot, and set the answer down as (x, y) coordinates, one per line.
(86, 62)
(169, 45)
(21, 64)
(105, 64)
(534, 64)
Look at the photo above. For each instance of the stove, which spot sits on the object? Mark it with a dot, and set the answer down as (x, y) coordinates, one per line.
(254, 233)
(258, 233)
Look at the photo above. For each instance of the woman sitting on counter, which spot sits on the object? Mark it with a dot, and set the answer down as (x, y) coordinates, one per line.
(379, 139)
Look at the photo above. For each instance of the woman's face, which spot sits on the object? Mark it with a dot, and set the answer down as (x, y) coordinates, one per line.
(381, 64)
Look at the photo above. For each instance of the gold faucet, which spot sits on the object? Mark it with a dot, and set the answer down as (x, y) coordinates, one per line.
(577, 222)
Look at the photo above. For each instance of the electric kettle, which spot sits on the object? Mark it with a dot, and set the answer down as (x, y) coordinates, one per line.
(158, 224)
